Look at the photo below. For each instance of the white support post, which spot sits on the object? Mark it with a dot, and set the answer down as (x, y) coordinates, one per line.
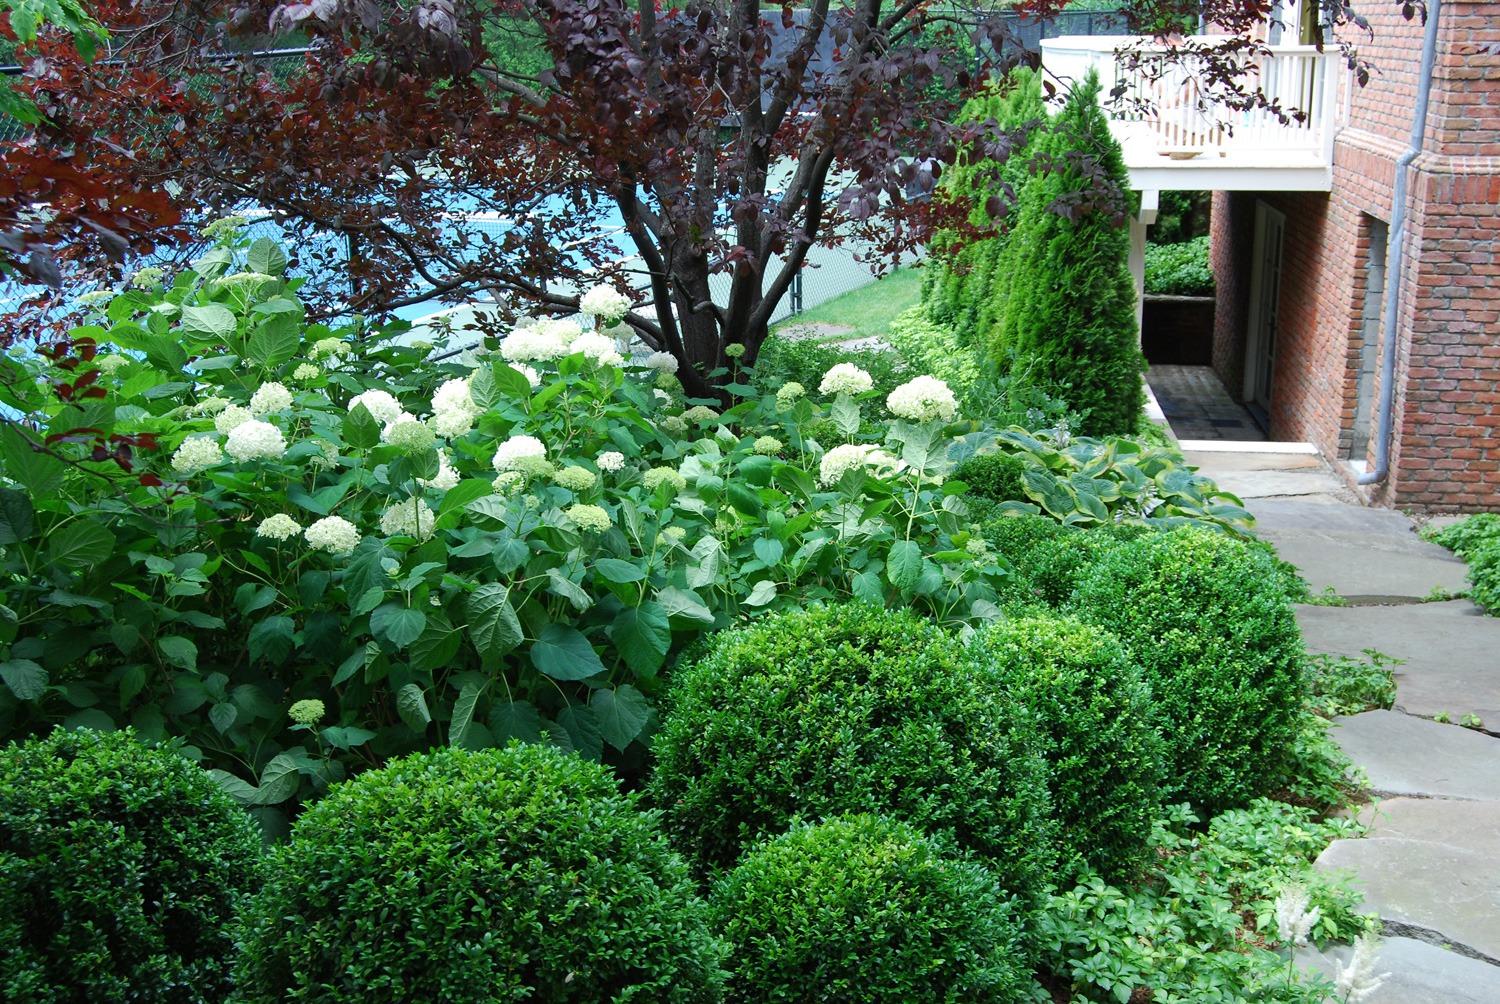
(1150, 203)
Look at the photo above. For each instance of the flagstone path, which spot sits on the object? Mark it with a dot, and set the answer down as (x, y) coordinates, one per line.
(1430, 864)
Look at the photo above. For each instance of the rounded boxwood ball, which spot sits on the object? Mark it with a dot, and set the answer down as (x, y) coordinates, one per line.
(520, 874)
(122, 869)
(866, 909)
(1103, 745)
(830, 710)
(1206, 617)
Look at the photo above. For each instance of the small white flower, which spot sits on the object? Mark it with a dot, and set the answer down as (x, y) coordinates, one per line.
(604, 303)
(1294, 921)
(525, 345)
(562, 327)
(610, 461)
(922, 400)
(662, 362)
(454, 395)
(305, 372)
(845, 378)
(269, 398)
(278, 527)
(600, 349)
(589, 517)
(379, 404)
(515, 448)
(409, 519)
(255, 440)
(333, 534)
(196, 454)
(1357, 980)
(231, 417)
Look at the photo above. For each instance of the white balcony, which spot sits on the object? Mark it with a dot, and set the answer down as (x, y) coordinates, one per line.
(1176, 137)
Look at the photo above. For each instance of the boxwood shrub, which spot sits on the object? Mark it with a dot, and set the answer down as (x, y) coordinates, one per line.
(520, 874)
(1206, 616)
(1048, 559)
(1103, 745)
(122, 869)
(865, 909)
(837, 709)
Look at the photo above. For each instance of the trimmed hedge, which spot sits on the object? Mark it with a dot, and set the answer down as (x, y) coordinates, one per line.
(1207, 618)
(520, 874)
(122, 869)
(865, 909)
(1048, 559)
(1104, 747)
(839, 709)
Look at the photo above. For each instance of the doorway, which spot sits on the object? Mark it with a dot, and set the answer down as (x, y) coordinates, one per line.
(1265, 303)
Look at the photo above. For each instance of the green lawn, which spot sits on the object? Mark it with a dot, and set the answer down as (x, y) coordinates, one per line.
(869, 310)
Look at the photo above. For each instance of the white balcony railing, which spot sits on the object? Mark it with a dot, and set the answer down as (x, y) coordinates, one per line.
(1168, 116)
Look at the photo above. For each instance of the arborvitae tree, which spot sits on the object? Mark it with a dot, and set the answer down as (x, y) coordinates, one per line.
(957, 288)
(1066, 323)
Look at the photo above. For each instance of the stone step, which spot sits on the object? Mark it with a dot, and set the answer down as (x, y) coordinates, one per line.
(1368, 567)
(1426, 889)
(1420, 973)
(1278, 515)
(1403, 755)
(1452, 652)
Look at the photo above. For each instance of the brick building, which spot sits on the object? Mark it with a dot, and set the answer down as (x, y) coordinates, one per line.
(1301, 236)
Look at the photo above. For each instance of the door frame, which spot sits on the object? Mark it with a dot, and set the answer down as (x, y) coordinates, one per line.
(1265, 304)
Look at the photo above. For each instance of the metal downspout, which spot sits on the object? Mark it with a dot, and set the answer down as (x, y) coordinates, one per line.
(1397, 256)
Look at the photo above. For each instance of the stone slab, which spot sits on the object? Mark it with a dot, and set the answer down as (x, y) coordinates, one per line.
(1433, 890)
(1213, 463)
(1452, 652)
(1403, 755)
(1472, 826)
(1419, 973)
(1259, 484)
(1296, 514)
(1368, 567)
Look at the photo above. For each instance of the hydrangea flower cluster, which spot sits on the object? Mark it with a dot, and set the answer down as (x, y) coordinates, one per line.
(409, 519)
(255, 440)
(922, 400)
(308, 712)
(735, 350)
(658, 476)
(844, 378)
(270, 397)
(278, 527)
(512, 454)
(408, 434)
(453, 408)
(662, 362)
(610, 460)
(196, 454)
(841, 459)
(767, 446)
(326, 348)
(333, 534)
(700, 414)
(789, 393)
(526, 345)
(444, 479)
(574, 479)
(380, 404)
(230, 416)
(600, 349)
(305, 372)
(589, 517)
(605, 303)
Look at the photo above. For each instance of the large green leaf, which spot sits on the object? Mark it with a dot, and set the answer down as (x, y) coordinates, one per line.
(17, 519)
(563, 653)
(643, 637)
(411, 705)
(904, 565)
(493, 624)
(212, 320)
(515, 720)
(266, 256)
(278, 781)
(684, 604)
(178, 651)
(470, 691)
(582, 729)
(621, 714)
(80, 544)
(26, 679)
(361, 431)
(396, 624)
(272, 640)
(38, 473)
(437, 647)
(275, 340)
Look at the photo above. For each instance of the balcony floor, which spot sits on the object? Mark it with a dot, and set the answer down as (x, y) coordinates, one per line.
(1236, 169)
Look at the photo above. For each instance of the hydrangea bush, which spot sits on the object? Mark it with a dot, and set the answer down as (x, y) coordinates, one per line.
(214, 510)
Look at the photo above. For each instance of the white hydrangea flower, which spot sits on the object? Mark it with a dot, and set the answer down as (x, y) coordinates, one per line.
(735, 350)
(922, 400)
(562, 327)
(700, 414)
(384, 407)
(610, 460)
(574, 479)
(444, 479)
(841, 459)
(605, 303)
(324, 348)
(147, 277)
(662, 362)
(111, 364)
(515, 448)
(658, 476)
(454, 395)
(231, 417)
(196, 454)
(589, 517)
(790, 391)
(506, 481)
(525, 345)
(598, 348)
(845, 378)
(278, 527)
(409, 519)
(333, 534)
(270, 397)
(255, 440)
(532, 376)
(407, 432)
(768, 446)
(305, 372)
(210, 406)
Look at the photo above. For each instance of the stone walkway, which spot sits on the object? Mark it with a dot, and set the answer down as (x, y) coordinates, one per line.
(1430, 865)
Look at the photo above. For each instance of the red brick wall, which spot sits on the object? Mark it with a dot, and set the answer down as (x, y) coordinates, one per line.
(1231, 243)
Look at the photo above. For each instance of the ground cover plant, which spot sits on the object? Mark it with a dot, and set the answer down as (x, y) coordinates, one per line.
(1476, 539)
(122, 871)
(1179, 269)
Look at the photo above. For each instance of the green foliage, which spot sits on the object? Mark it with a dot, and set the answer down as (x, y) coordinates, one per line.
(1089, 482)
(1179, 269)
(864, 909)
(1067, 319)
(841, 709)
(1100, 723)
(520, 874)
(994, 476)
(1181, 217)
(1343, 685)
(1202, 614)
(1477, 541)
(1318, 774)
(122, 869)
(784, 359)
(1196, 931)
(382, 568)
